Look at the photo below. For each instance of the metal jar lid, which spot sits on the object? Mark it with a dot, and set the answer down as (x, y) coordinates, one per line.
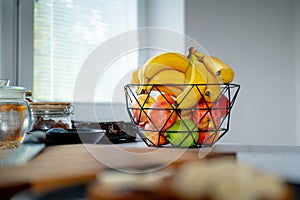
(12, 92)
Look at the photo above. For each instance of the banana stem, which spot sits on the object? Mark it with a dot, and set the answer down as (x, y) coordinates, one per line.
(197, 53)
(190, 53)
(192, 50)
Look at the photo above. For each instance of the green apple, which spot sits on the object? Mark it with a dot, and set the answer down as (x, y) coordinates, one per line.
(183, 133)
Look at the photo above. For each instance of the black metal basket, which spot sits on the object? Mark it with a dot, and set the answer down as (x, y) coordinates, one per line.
(210, 119)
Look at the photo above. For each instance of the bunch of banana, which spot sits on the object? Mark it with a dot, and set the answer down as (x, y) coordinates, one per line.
(165, 68)
(202, 73)
(221, 70)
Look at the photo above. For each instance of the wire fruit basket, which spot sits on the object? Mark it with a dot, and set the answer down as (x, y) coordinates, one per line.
(162, 122)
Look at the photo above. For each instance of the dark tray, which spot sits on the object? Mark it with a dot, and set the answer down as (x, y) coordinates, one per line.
(73, 136)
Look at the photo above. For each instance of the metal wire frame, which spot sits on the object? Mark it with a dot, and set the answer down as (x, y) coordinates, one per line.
(215, 134)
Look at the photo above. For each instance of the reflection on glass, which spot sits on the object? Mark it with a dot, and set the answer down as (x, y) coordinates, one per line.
(4, 82)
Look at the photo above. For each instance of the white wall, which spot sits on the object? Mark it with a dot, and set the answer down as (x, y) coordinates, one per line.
(168, 14)
(256, 38)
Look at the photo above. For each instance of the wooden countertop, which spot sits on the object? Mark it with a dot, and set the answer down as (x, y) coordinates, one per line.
(64, 165)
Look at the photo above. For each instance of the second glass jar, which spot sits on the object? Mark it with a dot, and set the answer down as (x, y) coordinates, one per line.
(47, 115)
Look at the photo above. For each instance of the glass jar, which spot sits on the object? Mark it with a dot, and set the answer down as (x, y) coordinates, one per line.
(47, 115)
(15, 116)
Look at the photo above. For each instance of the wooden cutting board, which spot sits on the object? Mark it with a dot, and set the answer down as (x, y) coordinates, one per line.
(64, 165)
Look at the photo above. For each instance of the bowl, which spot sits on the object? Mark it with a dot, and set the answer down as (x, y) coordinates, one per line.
(163, 122)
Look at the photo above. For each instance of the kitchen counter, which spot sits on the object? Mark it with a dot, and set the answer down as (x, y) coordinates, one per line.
(280, 159)
(63, 165)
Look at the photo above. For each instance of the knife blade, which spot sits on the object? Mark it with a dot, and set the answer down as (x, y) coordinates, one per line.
(32, 145)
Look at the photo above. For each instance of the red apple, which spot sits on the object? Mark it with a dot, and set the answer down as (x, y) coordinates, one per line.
(165, 97)
(205, 116)
(201, 116)
(222, 104)
(140, 108)
(211, 134)
(161, 115)
(156, 138)
(208, 137)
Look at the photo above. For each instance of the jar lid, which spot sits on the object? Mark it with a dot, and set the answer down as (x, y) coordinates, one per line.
(50, 105)
(12, 91)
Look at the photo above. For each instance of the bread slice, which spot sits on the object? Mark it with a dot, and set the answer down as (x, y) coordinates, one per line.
(210, 179)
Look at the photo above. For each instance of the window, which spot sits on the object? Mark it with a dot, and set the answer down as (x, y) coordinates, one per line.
(66, 32)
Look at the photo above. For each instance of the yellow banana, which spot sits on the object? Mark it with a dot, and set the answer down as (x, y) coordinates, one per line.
(163, 61)
(169, 76)
(223, 71)
(213, 89)
(188, 74)
(135, 77)
(141, 89)
(192, 93)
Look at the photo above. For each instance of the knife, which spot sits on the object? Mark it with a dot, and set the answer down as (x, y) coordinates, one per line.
(32, 145)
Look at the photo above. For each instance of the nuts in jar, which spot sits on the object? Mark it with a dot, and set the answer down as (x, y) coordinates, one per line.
(47, 115)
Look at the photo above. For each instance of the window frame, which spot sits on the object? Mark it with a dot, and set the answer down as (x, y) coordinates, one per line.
(25, 40)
